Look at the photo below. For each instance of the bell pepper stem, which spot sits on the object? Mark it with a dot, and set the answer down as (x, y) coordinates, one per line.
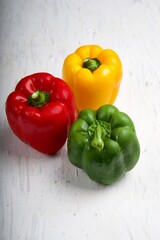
(38, 98)
(36, 95)
(97, 141)
(91, 63)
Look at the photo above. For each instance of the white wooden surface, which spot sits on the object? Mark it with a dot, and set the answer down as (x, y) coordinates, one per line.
(45, 197)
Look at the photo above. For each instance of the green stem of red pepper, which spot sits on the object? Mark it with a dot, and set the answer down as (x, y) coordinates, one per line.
(38, 98)
(91, 63)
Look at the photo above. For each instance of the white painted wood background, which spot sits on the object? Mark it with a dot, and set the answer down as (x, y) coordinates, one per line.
(45, 197)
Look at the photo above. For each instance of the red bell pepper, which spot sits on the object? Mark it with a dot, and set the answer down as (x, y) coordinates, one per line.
(40, 111)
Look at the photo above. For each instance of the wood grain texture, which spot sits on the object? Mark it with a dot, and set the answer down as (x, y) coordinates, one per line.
(45, 197)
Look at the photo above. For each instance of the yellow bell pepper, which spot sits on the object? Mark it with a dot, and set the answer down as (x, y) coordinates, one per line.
(94, 75)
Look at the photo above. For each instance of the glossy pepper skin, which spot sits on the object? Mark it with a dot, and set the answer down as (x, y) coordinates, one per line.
(40, 111)
(94, 75)
(103, 143)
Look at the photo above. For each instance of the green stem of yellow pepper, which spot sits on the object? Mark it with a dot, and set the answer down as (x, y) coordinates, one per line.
(91, 63)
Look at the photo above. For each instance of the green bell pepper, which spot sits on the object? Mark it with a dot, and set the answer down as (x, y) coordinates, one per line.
(103, 142)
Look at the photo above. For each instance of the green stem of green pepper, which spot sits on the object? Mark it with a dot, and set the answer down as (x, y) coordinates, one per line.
(91, 63)
(97, 141)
